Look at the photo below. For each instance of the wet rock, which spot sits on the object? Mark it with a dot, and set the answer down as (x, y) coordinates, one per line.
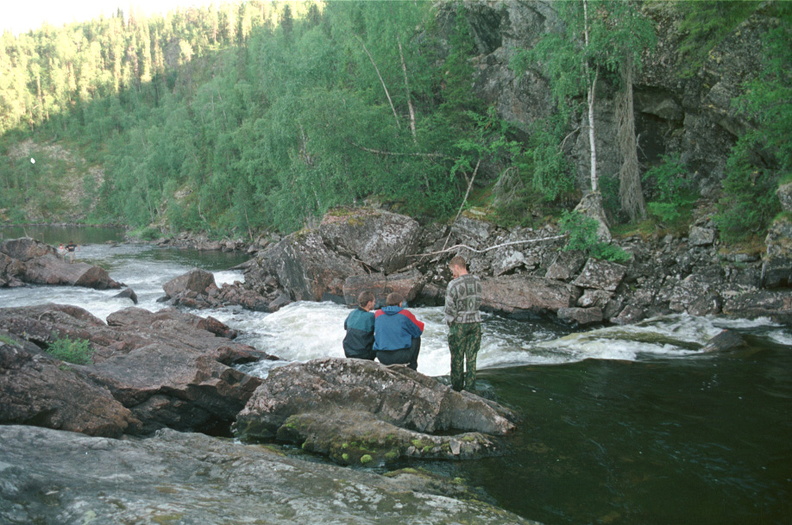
(195, 280)
(581, 316)
(30, 261)
(51, 476)
(775, 304)
(726, 340)
(777, 267)
(351, 408)
(127, 293)
(516, 294)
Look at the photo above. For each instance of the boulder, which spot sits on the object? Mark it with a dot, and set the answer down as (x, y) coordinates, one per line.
(358, 411)
(26, 249)
(30, 261)
(304, 267)
(50, 476)
(379, 239)
(601, 275)
(175, 387)
(566, 265)
(726, 340)
(170, 368)
(409, 284)
(777, 266)
(517, 294)
(774, 304)
(127, 293)
(198, 281)
(36, 389)
(701, 236)
(581, 316)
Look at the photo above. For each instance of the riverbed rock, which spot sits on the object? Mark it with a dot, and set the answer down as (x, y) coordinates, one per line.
(304, 267)
(195, 280)
(601, 275)
(380, 239)
(36, 389)
(409, 284)
(50, 476)
(777, 265)
(169, 368)
(518, 295)
(358, 411)
(724, 341)
(34, 262)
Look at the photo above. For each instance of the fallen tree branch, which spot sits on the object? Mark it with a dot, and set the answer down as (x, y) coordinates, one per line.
(454, 247)
(394, 153)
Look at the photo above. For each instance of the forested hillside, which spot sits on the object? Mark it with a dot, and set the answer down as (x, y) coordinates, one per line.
(253, 116)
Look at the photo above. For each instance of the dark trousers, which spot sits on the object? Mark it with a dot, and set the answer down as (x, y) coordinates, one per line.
(403, 356)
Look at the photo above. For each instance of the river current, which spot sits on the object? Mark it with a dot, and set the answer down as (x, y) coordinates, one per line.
(620, 425)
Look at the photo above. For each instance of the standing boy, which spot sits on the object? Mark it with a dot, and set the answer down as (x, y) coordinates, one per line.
(461, 312)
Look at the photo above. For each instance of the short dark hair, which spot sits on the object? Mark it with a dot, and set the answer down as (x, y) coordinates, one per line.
(365, 298)
(394, 299)
(458, 260)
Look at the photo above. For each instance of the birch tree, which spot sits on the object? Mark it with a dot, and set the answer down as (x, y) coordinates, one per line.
(599, 39)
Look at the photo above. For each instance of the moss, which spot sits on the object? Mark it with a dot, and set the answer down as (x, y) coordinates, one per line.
(345, 457)
(391, 455)
(168, 518)
(366, 458)
(469, 438)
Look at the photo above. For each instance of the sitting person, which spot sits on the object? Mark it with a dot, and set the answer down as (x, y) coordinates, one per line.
(397, 333)
(359, 326)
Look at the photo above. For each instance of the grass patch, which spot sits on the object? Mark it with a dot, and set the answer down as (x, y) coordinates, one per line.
(76, 351)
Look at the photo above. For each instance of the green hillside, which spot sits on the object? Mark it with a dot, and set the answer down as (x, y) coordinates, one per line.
(252, 116)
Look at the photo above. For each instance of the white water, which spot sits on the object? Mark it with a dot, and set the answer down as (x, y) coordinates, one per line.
(304, 331)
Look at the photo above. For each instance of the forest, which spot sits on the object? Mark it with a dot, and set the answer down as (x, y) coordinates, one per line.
(255, 116)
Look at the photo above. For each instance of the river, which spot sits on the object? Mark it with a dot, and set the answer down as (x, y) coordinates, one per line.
(621, 425)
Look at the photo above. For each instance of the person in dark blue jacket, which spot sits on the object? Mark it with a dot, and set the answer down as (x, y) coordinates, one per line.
(397, 333)
(359, 326)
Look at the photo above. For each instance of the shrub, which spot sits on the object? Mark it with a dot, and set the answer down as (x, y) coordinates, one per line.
(672, 194)
(582, 231)
(76, 351)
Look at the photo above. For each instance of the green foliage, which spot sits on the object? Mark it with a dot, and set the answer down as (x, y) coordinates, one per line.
(582, 232)
(763, 155)
(672, 194)
(704, 24)
(76, 351)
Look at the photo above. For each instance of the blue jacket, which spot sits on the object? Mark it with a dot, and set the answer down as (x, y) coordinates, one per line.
(395, 328)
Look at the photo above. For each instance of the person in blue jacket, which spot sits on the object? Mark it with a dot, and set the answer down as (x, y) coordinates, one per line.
(397, 333)
(359, 326)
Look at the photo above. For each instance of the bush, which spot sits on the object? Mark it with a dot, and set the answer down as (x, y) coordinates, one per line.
(582, 231)
(672, 194)
(76, 351)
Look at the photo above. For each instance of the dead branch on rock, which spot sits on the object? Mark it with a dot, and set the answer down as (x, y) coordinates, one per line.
(512, 243)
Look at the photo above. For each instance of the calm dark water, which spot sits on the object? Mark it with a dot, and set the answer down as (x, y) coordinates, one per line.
(705, 440)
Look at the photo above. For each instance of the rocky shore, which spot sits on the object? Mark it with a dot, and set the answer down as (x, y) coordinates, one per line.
(526, 272)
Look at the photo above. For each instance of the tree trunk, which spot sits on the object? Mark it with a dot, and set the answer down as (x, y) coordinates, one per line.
(630, 190)
(407, 89)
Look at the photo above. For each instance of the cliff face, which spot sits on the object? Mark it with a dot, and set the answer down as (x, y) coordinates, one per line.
(676, 110)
